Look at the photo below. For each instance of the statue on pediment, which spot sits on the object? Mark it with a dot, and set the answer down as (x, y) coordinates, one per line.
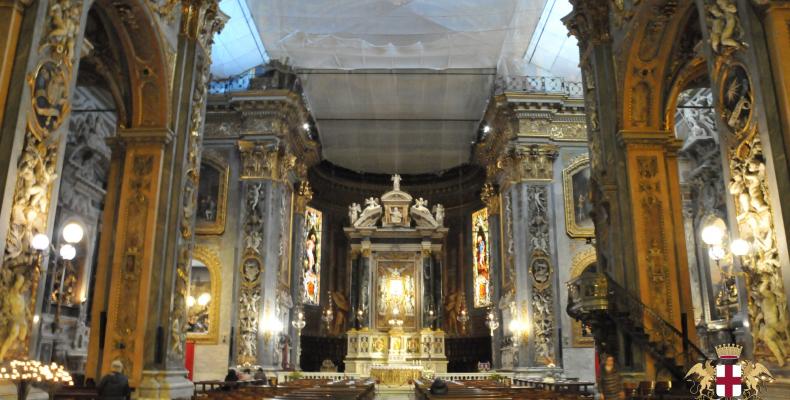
(422, 215)
(370, 215)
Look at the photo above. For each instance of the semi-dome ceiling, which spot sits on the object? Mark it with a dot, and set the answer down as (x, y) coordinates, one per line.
(398, 85)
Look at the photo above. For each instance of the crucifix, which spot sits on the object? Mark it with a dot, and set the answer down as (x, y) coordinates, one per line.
(396, 181)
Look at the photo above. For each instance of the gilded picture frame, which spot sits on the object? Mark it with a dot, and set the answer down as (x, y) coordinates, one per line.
(210, 259)
(576, 185)
(212, 202)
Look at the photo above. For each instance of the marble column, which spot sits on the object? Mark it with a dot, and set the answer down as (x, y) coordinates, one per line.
(525, 172)
(264, 297)
(145, 256)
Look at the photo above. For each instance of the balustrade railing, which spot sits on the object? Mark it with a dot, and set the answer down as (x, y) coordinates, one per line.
(674, 342)
(539, 84)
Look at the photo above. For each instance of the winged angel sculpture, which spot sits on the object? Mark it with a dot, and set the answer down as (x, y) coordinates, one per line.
(703, 375)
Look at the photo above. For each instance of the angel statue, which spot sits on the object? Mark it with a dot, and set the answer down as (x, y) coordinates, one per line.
(422, 215)
(353, 212)
(370, 215)
(438, 212)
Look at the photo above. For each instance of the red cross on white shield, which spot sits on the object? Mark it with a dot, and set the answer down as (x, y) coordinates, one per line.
(728, 380)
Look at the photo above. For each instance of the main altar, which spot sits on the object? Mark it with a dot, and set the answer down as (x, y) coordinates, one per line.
(396, 245)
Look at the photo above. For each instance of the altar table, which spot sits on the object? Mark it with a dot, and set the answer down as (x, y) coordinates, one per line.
(395, 375)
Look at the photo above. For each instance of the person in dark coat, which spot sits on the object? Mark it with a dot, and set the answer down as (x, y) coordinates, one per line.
(611, 384)
(259, 375)
(115, 385)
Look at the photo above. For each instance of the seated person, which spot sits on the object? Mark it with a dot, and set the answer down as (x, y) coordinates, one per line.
(114, 386)
(245, 375)
(259, 375)
(230, 379)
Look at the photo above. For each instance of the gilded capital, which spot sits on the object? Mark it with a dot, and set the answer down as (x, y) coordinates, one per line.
(200, 20)
(303, 196)
(490, 198)
(260, 160)
(589, 21)
(526, 162)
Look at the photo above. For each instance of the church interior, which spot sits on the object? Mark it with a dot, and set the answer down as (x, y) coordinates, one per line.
(395, 199)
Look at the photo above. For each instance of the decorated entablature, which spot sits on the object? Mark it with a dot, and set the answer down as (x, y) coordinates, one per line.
(528, 118)
(268, 119)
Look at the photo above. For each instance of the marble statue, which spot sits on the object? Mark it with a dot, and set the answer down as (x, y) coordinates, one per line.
(422, 215)
(13, 317)
(768, 305)
(370, 215)
(395, 216)
(353, 212)
(396, 182)
(724, 30)
(774, 326)
(438, 212)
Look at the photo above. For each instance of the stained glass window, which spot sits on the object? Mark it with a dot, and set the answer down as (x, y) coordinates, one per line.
(482, 256)
(312, 256)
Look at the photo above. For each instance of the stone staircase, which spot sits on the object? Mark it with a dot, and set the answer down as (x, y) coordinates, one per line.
(597, 300)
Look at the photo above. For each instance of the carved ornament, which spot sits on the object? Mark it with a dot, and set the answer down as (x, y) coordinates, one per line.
(303, 197)
(527, 162)
(724, 26)
(490, 197)
(768, 310)
(265, 161)
(36, 167)
(541, 274)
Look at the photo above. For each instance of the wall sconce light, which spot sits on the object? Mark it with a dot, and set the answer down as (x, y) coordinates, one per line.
(714, 235)
(270, 326)
(519, 330)
(491, 321)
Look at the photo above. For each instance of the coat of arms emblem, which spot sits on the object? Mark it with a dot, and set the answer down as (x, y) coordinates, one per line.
(728, 377)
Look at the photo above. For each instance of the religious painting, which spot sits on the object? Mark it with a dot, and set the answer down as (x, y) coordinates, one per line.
(311, 275)
(578, 204)
(582, 335)
(481, 254)
(396, 291)
(212, 197)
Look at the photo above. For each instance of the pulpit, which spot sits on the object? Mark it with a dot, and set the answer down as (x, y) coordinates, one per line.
(396, 242)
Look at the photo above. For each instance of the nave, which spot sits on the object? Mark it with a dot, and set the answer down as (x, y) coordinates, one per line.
(520, 198)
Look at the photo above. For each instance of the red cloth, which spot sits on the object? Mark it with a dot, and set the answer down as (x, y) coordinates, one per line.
(189, 358)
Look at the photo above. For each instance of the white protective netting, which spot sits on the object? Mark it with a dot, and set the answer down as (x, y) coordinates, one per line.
(373, 34)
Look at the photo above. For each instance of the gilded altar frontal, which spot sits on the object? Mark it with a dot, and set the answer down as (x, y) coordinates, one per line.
(395, 199)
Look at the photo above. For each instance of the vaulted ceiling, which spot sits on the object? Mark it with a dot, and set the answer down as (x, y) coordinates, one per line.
(398, 85)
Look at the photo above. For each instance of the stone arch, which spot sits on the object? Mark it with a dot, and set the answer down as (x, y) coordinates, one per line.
(582, 260)
(646, 62)
(141, 81)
